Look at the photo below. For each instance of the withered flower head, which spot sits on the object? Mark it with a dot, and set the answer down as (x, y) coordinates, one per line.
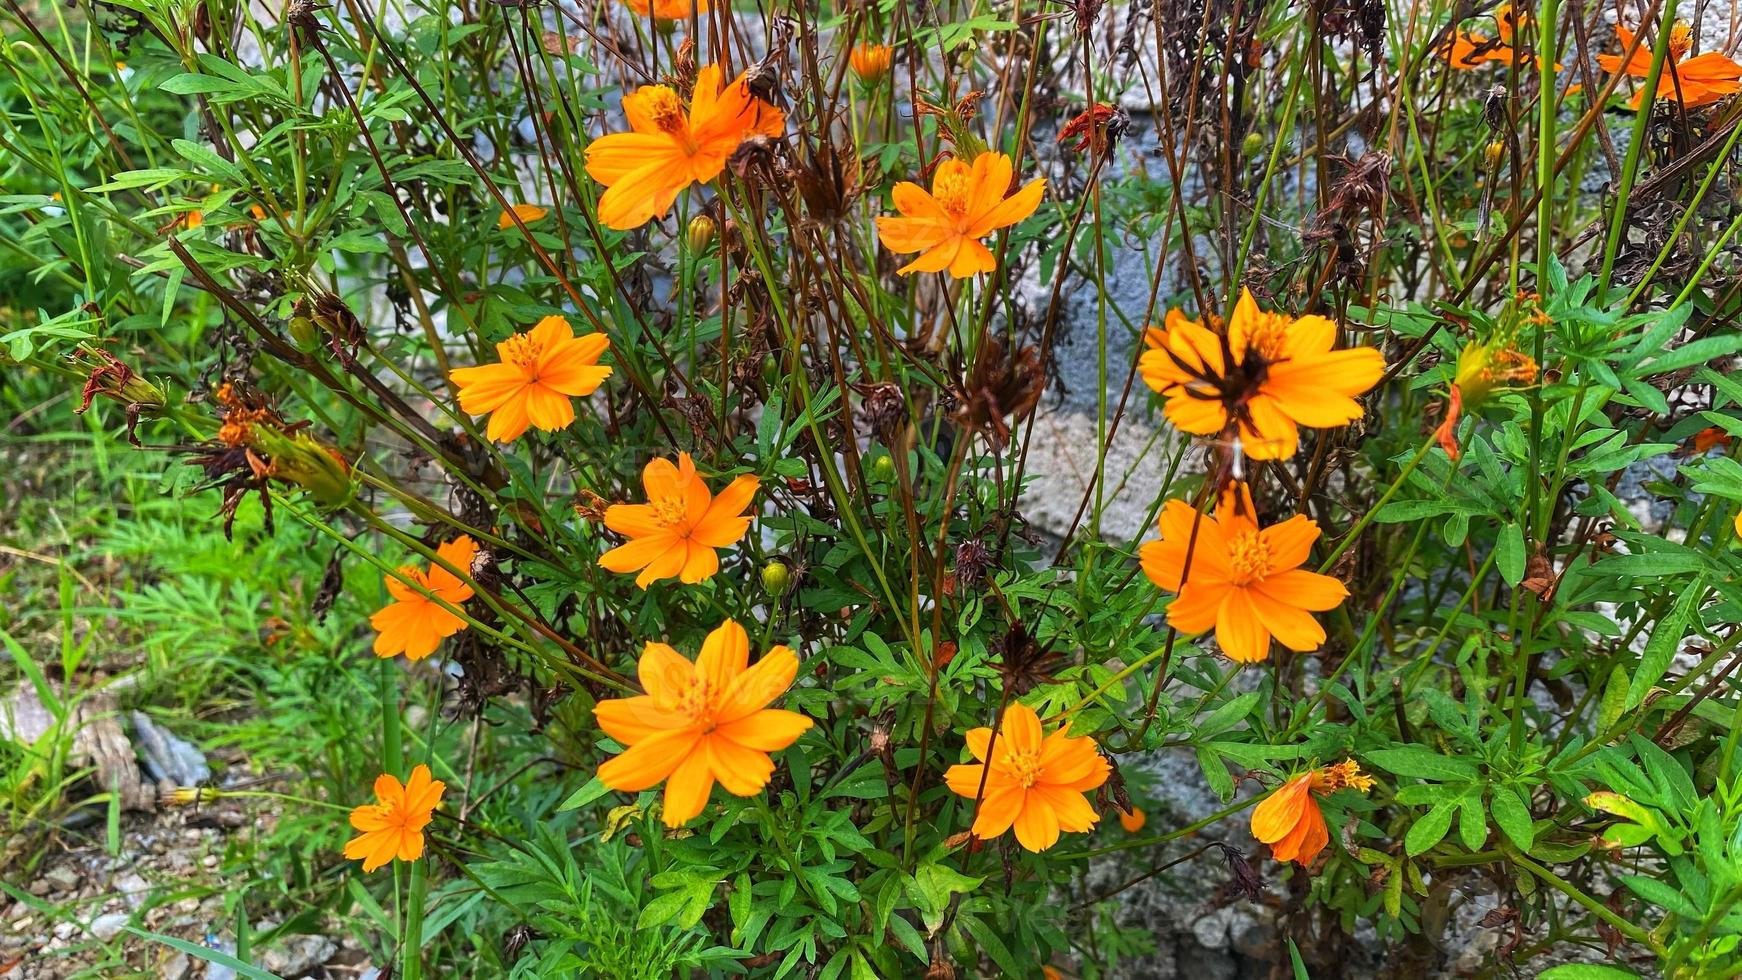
(828, 181)
(754, 159)
(972, 559)
(255, 445)
(114, 379)
(516, 939)
(999, 387)
(884, 407)
(1247, 881)
(344, 331)
(1024, 662)
(1097, 127)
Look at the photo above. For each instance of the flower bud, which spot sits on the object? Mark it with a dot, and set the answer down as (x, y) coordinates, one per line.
(303, 334)
(883, 468)
(301, 460)
(871, 61)
(776, 577)
(700, 234)
(1492, 152)
(1253, 145)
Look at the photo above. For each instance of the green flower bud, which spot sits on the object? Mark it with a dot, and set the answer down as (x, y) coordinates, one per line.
(776, 577)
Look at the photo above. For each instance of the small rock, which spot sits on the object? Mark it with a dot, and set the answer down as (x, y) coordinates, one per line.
(298, 955)
(62, 878)
(41, 887)
(107, 927)
(176, 968)
(209, 861)
(166, 757)
(133, 888)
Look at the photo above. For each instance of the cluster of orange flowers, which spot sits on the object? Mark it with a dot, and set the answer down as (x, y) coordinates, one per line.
(1254, 380)
(1691, 83)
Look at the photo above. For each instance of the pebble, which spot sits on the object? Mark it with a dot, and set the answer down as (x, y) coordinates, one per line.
(176, 967)
(61, 878)
(209, 861)
(107, 927)
(133, 888)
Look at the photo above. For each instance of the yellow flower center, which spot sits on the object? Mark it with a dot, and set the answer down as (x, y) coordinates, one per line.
(1681, 38)
(1249, 556)
(672, 511)
(522, 351)
(954, 190)
(1025, 767)
(697, 702)
(663, 106)
(1267, 334)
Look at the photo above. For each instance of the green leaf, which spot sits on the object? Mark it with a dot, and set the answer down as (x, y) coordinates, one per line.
(586, 794)
(1513, 816)
(208, 954)
(933, 884)
(1509, 554)
(1423, 764)
(1660, 894)
(1666, 639)
(1586, 971)
(1429, 828)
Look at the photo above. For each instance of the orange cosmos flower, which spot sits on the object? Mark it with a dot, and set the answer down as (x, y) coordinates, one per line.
(1133, 821)
(1036, 783)
(1709, 438)
(527, 213)
(414, 623)
(1244, 580)
(1290, 821)
(967, 202)
(702, 721)
(682, 525)
(539, 372)
(668, 9)
(871, 61)
(670, 149)
(1259, 380)
(1696, 82)
(392, 826)
(1468, 50)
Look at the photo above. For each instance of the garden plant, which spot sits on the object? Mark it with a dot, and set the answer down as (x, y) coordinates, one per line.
(882, 488)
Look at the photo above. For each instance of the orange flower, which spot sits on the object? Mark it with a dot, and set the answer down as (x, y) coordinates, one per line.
(1469, 50)
(682, 525)
(1696, 82)
(1258, 381)
(1481, 369)
(1709, 438)
(539, 372)
(1244, 580)
(392, 826)
(670, 149)
(966, 203)
(871, 61)
(1290, 821)
(668, 9)
(1133, 821)
(702, 721)
(527, 213)
(1036, 784)
(414, 623)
